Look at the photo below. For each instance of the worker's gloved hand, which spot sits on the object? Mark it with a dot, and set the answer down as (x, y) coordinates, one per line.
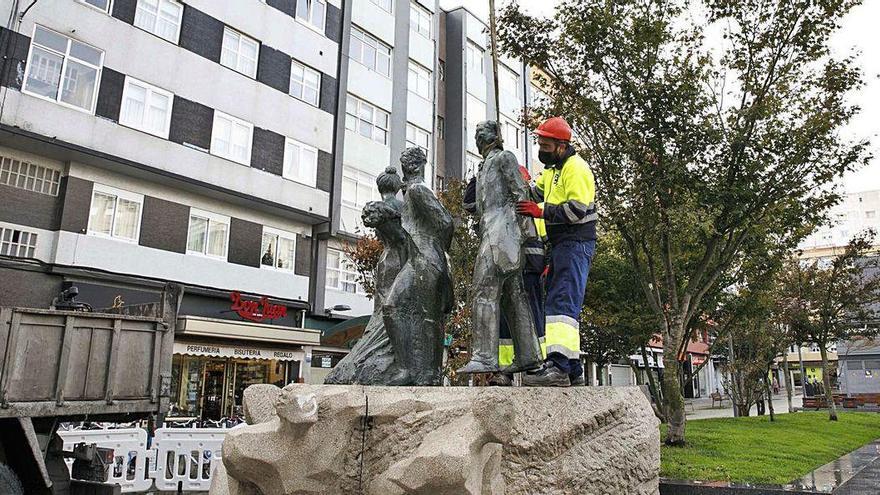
(529, 209)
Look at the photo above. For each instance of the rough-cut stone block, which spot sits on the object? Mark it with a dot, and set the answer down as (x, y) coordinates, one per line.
(259, 403)
(446, 440)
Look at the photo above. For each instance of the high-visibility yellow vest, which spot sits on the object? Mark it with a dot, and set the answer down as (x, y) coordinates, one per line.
(569, 194)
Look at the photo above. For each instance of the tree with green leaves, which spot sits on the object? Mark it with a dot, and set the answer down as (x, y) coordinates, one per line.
(696, 148)
(752, 342)
(824, 301)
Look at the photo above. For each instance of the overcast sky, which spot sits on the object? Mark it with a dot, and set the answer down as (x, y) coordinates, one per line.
(859, 32)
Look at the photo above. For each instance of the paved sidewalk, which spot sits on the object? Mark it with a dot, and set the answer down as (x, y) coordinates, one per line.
(702, 408)
(867, 480)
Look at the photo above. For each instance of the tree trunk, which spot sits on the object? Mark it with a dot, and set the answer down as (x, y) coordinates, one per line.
(803, 372)
(673, 399)
(769, 395)
(788, 383)
(826, 380)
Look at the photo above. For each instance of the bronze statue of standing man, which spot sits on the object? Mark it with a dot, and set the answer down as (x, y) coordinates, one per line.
(497, 279)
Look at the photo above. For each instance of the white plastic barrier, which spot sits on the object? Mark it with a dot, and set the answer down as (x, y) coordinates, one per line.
(129, 445)
(186, 456)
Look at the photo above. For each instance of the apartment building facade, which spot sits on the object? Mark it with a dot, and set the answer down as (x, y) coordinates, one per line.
(225, 146)
(856, 213)
(469, 95)
(229, 147)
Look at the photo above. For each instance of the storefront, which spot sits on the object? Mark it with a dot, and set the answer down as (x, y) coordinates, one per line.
(215, 360)
(208, 380)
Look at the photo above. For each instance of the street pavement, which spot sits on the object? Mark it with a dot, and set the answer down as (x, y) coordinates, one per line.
(702, 408)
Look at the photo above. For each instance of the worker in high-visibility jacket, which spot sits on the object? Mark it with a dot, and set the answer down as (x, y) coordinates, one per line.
(533, 272)
(568, 189)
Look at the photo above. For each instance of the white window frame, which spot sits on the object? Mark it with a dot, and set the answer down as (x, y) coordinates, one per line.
(472, 51)
(65, 58)
(365, 38)
(166, 126)
(24, 247)
(119, 193)
(504, 77)
(308, 22)
(30, 176)
(106, 11)
(359, 177)
(295, 64)
(158, 13)
(242, 38)
(234, 120)
(420, 75)
(376, 111)
(278, 233)
(390, 8)
(288, 174)
(417, 13)
(507, 125)
(418, 132)
(211, 218)
(343, 270)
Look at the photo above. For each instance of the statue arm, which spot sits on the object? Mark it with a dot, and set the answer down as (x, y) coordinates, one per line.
(430, 209)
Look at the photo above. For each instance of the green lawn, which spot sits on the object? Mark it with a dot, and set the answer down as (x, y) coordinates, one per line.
(755, 450)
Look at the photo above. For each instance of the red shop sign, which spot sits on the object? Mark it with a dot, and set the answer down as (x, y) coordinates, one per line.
(257, 311)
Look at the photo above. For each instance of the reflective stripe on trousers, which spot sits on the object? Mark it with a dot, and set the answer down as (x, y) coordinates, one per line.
(566, 285)
(563, 336)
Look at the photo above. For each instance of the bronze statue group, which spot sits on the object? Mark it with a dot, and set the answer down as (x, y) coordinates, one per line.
(537, 241)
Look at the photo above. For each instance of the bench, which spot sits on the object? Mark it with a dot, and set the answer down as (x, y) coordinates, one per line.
(717, 397)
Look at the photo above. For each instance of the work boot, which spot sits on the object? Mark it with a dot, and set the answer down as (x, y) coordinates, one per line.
(548, 375)
(501, 380)
(577, 381)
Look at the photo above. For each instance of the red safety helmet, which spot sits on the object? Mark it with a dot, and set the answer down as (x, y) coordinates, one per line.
(556, 128)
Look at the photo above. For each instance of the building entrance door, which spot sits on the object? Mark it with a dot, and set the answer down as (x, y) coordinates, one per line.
(212, 405)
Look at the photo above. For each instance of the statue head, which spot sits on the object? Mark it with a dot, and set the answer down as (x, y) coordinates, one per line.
(377, 213)
(488, 136)
(412, 162)
(389, 181)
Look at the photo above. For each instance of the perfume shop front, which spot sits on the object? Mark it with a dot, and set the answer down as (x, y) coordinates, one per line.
(209, 375)
(208, 380)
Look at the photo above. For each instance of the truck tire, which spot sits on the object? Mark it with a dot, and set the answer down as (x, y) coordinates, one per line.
(9, 483)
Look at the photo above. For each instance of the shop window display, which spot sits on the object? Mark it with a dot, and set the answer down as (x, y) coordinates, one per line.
(210, 388)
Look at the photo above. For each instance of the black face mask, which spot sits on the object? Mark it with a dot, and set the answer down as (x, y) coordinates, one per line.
(548, 158)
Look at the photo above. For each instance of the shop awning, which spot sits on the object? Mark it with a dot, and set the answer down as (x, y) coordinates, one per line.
(238, 351)
(198, 326)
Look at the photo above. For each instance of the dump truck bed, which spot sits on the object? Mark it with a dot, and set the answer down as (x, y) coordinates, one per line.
(73, 364)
